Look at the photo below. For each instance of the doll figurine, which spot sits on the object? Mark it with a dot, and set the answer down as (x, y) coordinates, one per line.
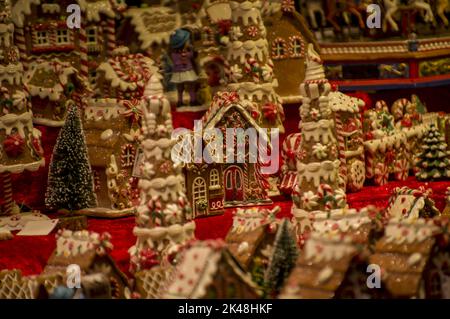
(183, 73)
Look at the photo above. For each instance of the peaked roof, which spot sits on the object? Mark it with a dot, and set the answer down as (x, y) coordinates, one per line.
(128, 72)
(403, 254)
(407, 203)
(57, 76)
(198, 265)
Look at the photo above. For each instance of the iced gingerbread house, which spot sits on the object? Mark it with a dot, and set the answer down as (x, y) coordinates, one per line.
(90, 251)
(112, 122)
(414, 259)
(20, 145)
(240, 173)
(208, 270)
(410, 204)
(53, 86)
(288, 35)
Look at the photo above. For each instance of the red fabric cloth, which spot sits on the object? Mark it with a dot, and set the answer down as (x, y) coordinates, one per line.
(30, 254)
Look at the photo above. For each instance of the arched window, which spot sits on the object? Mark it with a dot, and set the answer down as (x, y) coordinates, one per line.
(279, 49)
(297, 47)
(199, 189)
(214, 178)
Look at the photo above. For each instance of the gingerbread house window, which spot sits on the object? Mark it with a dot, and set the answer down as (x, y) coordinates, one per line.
(198, 189)
(62, 36)
(297, 47)
(127, 156)
(279, 49)
(41, 38)
(91, 35)
(214, 179)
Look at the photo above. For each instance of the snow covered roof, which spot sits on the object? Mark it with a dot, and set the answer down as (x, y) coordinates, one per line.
(340, 102)
(154, 24)
(94, 8)
(340, 220)
(249, 219)
(48, 79)
(197, 269)
(128, 72)
(71, 244)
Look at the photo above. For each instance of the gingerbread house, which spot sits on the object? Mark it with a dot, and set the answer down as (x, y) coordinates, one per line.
(411, 204)
(243, 182)
(43, 31)
(90, 251)
(149, 282)
(350, 139)
(250, 239)
(385, 147)
(288, 35)
(329, 267)
(52, 85)
(112, 124)
(414, 259)
(208, 270)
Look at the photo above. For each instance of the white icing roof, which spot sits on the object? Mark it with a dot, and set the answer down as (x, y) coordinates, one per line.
(340, 102)
(247, 220)
(405, 232)
(154, 24)
(328, 247)
(128, 71)
(70, 243)
(341, 220)
(93, 9)
(62, 69)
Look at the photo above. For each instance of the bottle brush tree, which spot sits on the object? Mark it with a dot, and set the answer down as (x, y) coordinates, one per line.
(70, 182)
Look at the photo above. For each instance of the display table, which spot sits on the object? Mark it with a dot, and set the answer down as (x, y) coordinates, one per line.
(30, 254)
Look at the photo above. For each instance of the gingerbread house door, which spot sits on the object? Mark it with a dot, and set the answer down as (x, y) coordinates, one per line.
(234, 189)
(199, 197)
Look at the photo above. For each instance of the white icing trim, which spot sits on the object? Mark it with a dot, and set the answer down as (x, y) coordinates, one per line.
(93, 10)
(19, 168)
(384, 143)
(21, 9)
(241, 50)
(326, 170)
(146, 37)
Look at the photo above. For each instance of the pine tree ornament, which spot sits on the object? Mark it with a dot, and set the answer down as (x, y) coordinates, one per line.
(283, 259)
(433, 161)
(70, 182)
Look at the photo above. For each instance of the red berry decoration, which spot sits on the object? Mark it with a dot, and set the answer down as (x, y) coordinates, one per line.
(14, 145)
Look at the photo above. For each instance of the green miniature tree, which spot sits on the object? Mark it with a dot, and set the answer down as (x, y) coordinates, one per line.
(283, 259)
(433, 161)
(70, 182)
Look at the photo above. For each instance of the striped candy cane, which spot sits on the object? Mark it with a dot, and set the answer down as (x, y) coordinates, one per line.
(83, 52)
(369, 165)
(111, 34)
(20, 42)
(341, 146)
(7, 194)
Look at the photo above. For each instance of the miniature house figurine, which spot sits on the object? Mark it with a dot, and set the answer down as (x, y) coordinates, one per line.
(208, 270)
(112, 123)
(90, 251)
(288, 35)
(411, 204)
(20, 142)
(250, 239)
(414, 259)
(42, 30)
(319, 185)
(236, 170)
(52, 85)
(328, 267)
(163, 217)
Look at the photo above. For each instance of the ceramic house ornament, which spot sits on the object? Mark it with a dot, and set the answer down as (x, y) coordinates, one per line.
(20, 142)
(163, 219)
(251, 67)
(111, 121)
(318, 181)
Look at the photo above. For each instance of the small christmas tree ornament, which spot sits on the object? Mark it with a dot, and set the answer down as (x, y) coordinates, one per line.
(20, 145)
(433, 161)
(70, 183)
(283, 259)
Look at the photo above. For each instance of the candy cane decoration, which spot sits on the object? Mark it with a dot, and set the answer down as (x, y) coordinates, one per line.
(111, 34)
(341, 145)
(381, 174)
(7, 193)
(369, 165)
(401, 168)
(83, 52)
(249, 67)
(20, 42)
